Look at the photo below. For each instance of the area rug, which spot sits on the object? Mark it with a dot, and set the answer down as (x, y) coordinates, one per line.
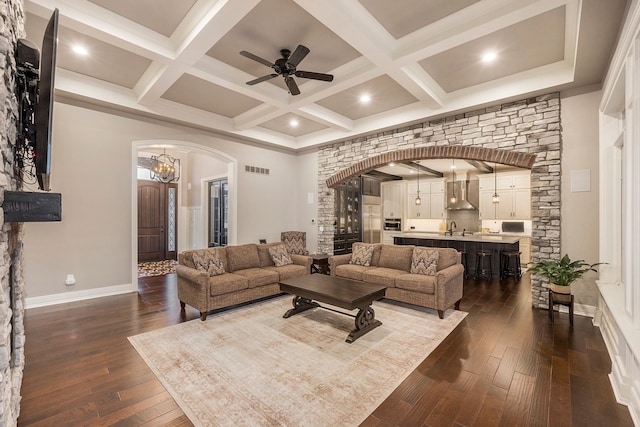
(157, 268)
(250, 367)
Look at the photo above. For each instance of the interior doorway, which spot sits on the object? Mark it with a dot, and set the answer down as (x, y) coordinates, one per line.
(157, 221)
(218, 221)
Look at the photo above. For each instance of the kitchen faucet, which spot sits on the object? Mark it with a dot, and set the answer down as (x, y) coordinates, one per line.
(452, 225)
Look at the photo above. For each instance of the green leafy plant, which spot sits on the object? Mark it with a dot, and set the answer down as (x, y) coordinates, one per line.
(564, 271)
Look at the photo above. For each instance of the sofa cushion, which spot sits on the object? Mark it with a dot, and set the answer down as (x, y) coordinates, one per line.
(424, 261)
(417, 283)
(351, 271)
(264, 256)
(448, 257)
(397, 257)
(382, 276)
(280, 256)
(226, 283)
(361, 254)
(258, 276)
(242, 257)
(289, 271)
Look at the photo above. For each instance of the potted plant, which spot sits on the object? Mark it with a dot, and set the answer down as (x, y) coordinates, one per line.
(561, 273)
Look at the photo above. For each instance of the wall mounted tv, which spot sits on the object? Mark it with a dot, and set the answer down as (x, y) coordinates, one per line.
(44, 106)
(35, 89)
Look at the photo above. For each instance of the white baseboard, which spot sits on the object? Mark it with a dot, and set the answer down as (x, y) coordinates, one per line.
(46, 300)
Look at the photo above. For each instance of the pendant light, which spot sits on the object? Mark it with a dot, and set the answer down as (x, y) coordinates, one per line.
(496, 197)
(453, 198)
(418, 199)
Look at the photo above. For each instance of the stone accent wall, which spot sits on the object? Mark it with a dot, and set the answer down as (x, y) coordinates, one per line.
(11, 364)
(530, 126)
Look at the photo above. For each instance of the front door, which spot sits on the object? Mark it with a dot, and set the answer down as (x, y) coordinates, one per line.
(157, 221)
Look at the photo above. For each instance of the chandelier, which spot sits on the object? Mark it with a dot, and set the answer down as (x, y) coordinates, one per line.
(165, 168)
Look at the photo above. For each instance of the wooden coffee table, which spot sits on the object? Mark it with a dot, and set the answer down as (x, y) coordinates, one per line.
(343, 293)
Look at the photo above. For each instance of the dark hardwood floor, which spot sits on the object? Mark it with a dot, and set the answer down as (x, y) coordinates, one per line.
(505, 365)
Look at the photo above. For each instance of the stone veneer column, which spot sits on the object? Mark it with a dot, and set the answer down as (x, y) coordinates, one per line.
(529, 126)
(11, 364)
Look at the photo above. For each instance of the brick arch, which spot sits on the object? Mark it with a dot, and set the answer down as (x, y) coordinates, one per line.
(490, 155)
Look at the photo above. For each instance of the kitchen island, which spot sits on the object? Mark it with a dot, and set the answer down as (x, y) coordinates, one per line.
(469, 243)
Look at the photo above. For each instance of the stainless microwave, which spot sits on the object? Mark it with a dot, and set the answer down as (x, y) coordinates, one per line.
(393, 224)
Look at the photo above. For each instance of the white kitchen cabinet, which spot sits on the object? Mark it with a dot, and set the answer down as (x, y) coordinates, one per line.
(486, 207)
(420, 211)
(522, 203)
(432, 195)
(437, 208)
(515, 196)
(514, 204)
(392, 199)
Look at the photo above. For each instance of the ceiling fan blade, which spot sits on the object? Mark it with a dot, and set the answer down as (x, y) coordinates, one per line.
(298, 55)
(256, 58)
(314, 76)
(291, 84)
(261, 79)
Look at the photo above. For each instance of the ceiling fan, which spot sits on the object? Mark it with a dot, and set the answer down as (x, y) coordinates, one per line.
(286, 67)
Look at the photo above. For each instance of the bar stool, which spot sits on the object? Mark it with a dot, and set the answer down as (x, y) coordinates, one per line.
(481, 269)
(463, 260)
(510, 264)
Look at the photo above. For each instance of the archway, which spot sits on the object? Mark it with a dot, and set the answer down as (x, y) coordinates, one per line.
(190, 148)
(490, 155)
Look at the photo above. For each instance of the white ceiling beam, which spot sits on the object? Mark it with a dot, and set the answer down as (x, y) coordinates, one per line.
(198, 35)
(326, 117)
(102, 24)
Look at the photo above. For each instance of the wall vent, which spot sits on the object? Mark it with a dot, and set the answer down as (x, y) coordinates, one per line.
(256, 169)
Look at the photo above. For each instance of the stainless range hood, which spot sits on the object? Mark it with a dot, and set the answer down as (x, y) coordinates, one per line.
(461, 189)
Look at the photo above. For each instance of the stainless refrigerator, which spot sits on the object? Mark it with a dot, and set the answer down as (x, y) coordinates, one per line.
(371, 219)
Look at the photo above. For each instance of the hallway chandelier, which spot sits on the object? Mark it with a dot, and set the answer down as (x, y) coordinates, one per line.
(165, 168)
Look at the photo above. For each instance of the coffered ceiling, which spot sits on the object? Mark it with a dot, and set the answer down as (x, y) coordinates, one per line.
(179, 61)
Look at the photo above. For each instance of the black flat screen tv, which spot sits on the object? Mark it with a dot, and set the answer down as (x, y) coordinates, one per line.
(44, 105)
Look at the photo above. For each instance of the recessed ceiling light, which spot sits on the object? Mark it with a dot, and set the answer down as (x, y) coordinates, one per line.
(365, 99)
(489, 56)
(392, 164)
(293, 123)
(80, 50)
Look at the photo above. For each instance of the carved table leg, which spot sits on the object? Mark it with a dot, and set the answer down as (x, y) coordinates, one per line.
(365, 321)
(299, 305)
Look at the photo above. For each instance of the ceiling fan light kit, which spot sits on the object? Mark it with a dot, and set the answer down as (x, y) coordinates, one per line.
(287, 67)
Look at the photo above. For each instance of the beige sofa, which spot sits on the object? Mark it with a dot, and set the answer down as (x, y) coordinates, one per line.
(249, 274)
(390, 266)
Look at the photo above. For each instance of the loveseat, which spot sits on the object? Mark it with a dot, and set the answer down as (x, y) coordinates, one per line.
(223, 276)
(428, 277)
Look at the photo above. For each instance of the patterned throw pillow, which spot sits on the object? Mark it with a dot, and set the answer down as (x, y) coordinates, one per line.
(424, 261)
(211, 263)
(216, 265)
(201, 263)
(280, 256)
(361, 254)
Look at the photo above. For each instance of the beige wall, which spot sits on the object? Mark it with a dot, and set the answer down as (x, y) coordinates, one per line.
(308, 209)
(92, 166)
(579, 213)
